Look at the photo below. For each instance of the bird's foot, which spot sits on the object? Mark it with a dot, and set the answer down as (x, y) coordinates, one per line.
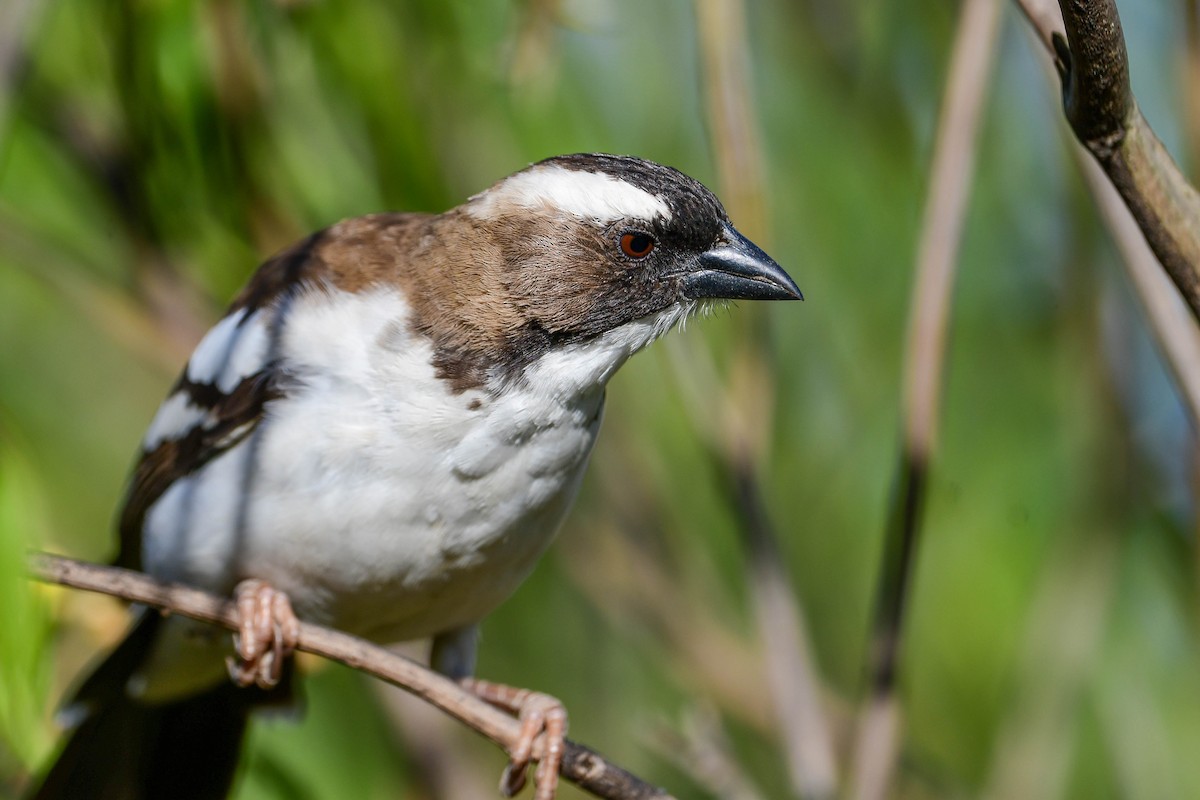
(266, 636)
(539, 713)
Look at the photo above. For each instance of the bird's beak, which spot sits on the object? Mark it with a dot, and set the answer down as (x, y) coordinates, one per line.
(736, 269)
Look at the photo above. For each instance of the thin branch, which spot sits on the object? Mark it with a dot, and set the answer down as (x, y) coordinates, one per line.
(732, 118)
(582, 766)
(1104, 115)
(746, 412)
(790, 665)
(1044, 18)
(1174, 330)
(791, 672)
(970, 69)
(1095, 73)
(942, 225)
(430, 739)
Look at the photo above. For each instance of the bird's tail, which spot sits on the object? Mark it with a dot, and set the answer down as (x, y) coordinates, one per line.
(123, 749)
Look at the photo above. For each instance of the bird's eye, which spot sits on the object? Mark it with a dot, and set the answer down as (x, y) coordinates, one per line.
(636, 244)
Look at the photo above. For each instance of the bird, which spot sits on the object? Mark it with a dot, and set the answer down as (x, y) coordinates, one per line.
(383, 434)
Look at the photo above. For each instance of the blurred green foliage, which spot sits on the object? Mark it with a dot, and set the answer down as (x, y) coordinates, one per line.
(152, 152)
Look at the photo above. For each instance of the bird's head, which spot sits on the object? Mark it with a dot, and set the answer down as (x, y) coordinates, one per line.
(594, 242)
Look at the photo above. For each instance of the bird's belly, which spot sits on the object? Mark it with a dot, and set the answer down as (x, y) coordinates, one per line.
(393, 532)
(418, 557)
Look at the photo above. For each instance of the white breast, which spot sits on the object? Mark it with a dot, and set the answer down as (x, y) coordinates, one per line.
(382, 502)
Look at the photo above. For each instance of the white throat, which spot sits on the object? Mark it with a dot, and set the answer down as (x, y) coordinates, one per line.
(585, 367)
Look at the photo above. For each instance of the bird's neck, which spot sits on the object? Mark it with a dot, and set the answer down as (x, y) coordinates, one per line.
(583, 368)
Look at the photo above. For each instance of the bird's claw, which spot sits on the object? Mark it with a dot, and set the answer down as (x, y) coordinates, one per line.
(267, 634)
(540, 715)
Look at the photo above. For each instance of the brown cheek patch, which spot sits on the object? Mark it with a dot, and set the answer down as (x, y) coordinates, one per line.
(555, 274)
(580, 287)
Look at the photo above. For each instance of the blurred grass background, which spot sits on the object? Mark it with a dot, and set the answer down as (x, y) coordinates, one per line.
(152, 152)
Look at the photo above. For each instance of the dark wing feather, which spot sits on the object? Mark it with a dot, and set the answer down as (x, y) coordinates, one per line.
(231, 418)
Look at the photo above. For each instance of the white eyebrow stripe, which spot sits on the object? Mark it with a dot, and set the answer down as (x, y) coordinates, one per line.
(591, 195)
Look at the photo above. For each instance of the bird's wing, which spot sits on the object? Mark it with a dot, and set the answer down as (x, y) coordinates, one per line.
(208, 430)
(224, 391)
